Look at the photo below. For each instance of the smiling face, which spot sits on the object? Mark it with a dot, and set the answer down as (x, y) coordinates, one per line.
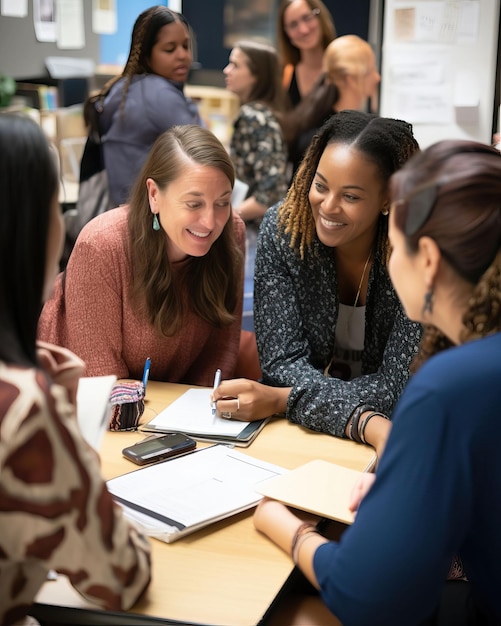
(302, 26)
(238, 77)
(192, 210)
(171, 55)
(346, 197)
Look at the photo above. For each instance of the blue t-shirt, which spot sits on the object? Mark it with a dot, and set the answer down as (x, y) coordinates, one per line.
(437, 494)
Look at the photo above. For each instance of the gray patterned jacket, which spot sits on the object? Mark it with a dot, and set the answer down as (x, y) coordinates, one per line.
(295, 313)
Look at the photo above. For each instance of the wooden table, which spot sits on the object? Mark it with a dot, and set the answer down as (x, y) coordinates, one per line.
(228, 573)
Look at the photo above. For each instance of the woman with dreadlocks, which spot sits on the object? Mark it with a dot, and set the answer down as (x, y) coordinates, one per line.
(334, 342)
(146, 99)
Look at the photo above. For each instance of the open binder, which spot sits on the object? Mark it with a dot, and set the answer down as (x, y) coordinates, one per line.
(176, 497)
(191, 414)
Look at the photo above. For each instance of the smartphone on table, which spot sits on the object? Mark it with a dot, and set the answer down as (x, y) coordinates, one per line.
(154, 449)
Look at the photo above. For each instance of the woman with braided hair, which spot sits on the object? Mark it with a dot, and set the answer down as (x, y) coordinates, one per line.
(435, 494)
(334, 343)
(147, 99)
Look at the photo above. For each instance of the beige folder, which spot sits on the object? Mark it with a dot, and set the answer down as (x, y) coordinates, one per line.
(317, 487)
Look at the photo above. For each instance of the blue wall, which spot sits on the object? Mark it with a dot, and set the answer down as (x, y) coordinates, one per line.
(114, 49)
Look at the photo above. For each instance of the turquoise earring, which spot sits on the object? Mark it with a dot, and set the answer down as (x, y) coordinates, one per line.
(156, 223)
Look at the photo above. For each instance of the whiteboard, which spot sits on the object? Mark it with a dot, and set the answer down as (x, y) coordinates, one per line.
(438, 67)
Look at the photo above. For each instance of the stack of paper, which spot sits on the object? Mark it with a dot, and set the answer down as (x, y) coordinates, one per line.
(176, 497)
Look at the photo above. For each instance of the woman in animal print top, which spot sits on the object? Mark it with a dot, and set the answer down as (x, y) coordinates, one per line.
(55, 510)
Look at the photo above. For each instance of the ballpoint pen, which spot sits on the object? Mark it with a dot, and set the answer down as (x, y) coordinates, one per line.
(146, 373)
(217, 381)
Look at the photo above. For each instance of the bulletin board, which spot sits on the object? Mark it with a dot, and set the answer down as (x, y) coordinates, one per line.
(439, 67)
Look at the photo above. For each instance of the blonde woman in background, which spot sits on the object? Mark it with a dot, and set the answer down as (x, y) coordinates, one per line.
(350, 65)
(351, 78)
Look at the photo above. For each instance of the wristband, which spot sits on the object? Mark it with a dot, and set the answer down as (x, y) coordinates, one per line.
(354, 435)
(366, 421)
(303, 529)
(306, 535)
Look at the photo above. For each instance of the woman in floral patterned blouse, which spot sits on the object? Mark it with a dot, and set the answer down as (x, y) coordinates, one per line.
(257, 146)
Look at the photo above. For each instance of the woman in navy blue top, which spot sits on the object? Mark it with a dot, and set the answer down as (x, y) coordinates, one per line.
(436, 496)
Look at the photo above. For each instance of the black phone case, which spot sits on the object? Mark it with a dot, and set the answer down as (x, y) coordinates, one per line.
(154, 457)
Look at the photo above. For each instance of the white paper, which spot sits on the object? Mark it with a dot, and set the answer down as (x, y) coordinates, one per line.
(191, 413)
(104, 17)
(44, 20)
(239, 193)
(70, 24)
(421, 89)
(14, 8)
(192, 490)
(93, 407)
(437, 22)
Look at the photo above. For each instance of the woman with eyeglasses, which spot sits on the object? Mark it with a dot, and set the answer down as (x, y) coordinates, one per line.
(436, 494)
(334, 343)
(304, 30)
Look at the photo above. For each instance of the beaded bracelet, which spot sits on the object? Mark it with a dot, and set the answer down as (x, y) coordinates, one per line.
(304, 528)
(355, 418)
(366, 421)
(302, 539)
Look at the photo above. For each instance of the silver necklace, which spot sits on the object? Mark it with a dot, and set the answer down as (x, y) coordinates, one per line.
(361, 281)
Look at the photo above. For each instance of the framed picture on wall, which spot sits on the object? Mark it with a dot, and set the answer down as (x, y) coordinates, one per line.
(249, 19)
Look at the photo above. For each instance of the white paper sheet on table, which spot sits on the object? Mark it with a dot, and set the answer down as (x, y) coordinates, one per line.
(176, 497)
(191, 414)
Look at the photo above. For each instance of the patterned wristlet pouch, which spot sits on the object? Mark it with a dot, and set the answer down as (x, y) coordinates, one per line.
(127, 402)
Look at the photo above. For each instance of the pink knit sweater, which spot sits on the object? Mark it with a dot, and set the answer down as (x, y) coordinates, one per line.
(92, 315)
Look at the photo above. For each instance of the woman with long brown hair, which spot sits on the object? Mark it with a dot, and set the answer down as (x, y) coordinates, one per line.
(161, 277)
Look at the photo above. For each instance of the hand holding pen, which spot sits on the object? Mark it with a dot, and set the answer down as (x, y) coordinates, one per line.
(217, 382)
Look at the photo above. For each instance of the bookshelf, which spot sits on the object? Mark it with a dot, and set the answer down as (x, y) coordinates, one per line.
(218, 108)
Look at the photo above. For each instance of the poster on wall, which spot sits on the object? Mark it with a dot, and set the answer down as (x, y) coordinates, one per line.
(14, 8)
(70, 24)
(104, 17)
(44, 19)
(249, 19)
